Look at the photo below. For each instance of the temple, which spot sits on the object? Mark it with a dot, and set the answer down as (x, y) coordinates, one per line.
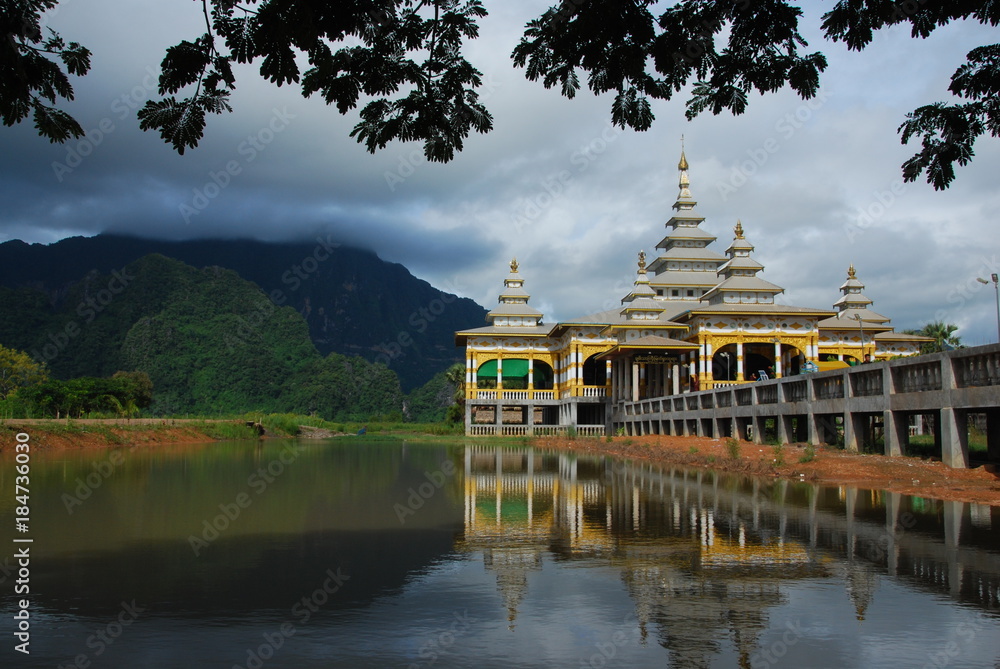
(694, 319)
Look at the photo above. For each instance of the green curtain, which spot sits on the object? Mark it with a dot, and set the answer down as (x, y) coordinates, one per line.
(515, 367)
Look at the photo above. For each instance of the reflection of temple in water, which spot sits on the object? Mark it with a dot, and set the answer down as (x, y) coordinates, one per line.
(704, 556)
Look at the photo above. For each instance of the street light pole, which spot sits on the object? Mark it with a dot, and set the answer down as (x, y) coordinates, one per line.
(996, 289)
(861, 327)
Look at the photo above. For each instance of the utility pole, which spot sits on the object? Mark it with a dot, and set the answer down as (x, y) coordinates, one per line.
(996, 289)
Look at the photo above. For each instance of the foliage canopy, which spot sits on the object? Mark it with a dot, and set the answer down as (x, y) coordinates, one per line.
(18, 370)
(404, 59)
(943, 335)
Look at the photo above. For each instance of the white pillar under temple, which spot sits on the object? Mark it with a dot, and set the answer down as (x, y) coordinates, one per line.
(707, 360)
(499, 372)
(777, 359)
(739, 359)
(635, 382)
(675, 372)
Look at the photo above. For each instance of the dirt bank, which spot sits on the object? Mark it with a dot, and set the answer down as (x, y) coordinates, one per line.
(100, 433)
(911, 476)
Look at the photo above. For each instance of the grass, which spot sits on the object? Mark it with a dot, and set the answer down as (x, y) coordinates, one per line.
(922, 445)
(733, 448)
(235, 428)
(779, 455)
(808, 455)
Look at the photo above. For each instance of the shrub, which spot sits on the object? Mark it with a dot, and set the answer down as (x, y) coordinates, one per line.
(733, 448)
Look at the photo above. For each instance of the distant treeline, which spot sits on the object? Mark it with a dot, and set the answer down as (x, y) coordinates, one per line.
(197, 341)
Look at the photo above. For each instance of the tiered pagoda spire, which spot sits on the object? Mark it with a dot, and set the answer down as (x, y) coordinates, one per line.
(853, 302)
(641, 303)
(740, 283)
(513, 309)
(687, 267)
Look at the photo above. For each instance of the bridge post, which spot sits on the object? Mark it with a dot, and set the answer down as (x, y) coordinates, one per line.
(993, 435)
(782, 426)
(954, 430)
(759, 423)
(852, 433)
(895, 431)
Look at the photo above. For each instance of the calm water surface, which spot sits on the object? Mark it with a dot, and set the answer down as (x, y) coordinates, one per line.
(366, 553)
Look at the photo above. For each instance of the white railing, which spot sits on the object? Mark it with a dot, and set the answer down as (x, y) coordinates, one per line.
(595, 391)
(491, 430)
(517, 394)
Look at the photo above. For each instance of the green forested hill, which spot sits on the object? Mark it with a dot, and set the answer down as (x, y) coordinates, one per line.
(211, 341)
(353, 302)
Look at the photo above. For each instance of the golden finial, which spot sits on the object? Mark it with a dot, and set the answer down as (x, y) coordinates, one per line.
(683, 165)
(738, 229)
(642, 262)
(513, 265)
(850, 272)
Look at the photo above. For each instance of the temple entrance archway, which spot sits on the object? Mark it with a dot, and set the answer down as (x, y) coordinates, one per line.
(595, 372)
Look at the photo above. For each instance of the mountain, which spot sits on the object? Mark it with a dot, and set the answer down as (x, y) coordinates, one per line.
(353, 302)
(211, 341)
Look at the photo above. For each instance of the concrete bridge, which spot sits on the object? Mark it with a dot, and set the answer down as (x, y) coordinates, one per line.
(857, 402)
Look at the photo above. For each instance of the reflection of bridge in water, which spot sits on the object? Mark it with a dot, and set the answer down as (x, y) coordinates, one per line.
(704, 554)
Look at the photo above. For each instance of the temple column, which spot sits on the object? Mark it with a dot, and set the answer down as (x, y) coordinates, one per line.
(635, 382)
(739, 361)
(531, 376)
(777, 360)
(499, 376)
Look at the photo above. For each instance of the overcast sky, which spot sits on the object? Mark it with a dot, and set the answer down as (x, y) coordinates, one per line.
(817, 185)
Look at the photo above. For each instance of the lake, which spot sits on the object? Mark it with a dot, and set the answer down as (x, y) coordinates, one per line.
(368, 553)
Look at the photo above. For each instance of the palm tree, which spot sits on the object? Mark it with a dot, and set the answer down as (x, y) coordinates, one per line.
(455, 375)
(943, 335)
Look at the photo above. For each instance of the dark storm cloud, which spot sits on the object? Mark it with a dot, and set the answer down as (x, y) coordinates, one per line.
(554, 184)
